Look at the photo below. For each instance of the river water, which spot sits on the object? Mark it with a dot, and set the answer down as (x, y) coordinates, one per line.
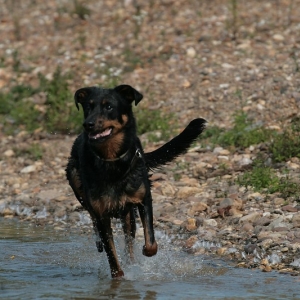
(40, 263)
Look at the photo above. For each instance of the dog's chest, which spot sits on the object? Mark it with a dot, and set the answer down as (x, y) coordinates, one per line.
(112, 200)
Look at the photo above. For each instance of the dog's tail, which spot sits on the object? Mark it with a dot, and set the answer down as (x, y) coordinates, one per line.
(177, 146)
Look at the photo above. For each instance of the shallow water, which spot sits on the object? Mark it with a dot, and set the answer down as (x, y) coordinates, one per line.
(40, 263)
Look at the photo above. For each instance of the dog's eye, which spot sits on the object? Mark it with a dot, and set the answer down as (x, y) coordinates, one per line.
(108, 107)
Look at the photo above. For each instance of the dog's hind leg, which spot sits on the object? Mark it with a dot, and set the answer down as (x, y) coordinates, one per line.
(146, 214)
(129, 228)
(105, 232)
(98, 238)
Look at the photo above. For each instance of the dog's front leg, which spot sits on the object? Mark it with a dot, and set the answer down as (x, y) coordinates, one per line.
(105, 232)
(146, 214)
(129, 228)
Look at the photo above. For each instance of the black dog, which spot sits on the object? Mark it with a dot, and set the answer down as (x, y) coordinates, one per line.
(108, 170)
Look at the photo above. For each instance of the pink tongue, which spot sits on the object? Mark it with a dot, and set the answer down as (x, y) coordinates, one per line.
(104, 133)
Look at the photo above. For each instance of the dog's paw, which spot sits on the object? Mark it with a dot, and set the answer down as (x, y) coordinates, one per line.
(150, 250)
(117, 274)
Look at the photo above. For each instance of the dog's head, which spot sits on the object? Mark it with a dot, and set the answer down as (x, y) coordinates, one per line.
(106, 111)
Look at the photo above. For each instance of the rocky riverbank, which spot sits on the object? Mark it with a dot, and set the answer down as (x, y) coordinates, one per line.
(196, 204)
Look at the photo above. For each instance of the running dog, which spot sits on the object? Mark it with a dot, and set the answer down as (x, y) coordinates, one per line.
(109, 171)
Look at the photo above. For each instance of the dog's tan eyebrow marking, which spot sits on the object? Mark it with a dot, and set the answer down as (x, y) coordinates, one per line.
(91, 101)
(124, 119)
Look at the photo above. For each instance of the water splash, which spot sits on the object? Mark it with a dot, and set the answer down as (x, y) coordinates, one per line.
(274, 259)
(42, 214)
(84, 219)
(61, 219)
(296, 263)
(206, 245)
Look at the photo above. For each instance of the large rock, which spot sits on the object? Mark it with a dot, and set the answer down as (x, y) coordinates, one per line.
(289, 208)
(190, 224)
(197, 208)
(233, 202)
(296, 220)
(250, 218)
(263, 221)
(46, 195)
(279, 222)
(187, 191)
(230, 207)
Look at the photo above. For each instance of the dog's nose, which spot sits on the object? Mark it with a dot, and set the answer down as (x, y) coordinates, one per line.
(88, 125)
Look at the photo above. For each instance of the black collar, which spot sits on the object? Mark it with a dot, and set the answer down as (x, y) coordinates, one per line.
(137, 155)
(115, 159)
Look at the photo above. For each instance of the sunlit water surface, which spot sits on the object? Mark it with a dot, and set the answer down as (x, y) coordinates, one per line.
(40, 263)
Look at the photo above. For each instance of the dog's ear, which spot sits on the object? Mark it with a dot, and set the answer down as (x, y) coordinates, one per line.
(81, 95)
(129, 93)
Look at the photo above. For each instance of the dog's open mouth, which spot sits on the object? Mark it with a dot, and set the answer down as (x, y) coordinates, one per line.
(105, 133)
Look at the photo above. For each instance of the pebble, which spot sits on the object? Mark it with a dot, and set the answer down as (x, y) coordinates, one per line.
(190, 242)
(9, 153)
(266, 243)
(267, 268)
(28, 169)
(249, 249)
(210, 222)
(191, 224)
(177, 222)
(186, 83)
(221, 151)
(227, 66)
(278, 37)
(255, 196)
(221, 251)
(46, 195)
(278, 201)
(245, 161)
(191, 52)
(247, 227)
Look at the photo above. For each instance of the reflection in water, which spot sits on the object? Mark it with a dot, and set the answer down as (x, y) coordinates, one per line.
(38, 262)
(127, 290)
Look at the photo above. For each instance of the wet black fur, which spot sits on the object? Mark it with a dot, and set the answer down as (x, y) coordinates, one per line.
(94, 176)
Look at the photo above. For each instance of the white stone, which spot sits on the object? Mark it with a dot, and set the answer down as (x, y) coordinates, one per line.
(278, 37)
(227, 66)
(191, 52)
(210, 222)
(9, 153)
(28, 169)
